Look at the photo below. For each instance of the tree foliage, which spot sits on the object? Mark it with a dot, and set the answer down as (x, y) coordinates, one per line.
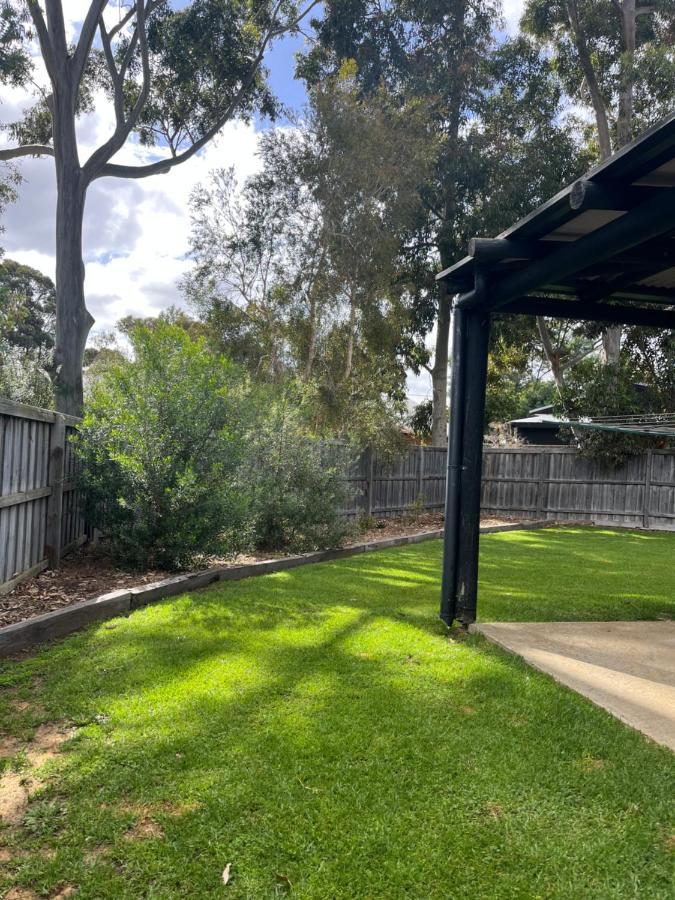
(183, 457)
(599, 390)
(161, 446)
(297, 489)
(298, 272)
(613, 56)
(492, 114)
(27, 310)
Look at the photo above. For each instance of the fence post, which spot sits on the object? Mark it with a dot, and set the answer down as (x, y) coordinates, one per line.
(541, 485)
(370, 480)
(420, 475)
(57, 453)
(649, 464)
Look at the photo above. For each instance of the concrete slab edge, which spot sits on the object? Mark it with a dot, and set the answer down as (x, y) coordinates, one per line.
(477, 628)
(61, 622)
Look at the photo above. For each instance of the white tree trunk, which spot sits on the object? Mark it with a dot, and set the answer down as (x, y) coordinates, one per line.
(73, 321)
(611, 345)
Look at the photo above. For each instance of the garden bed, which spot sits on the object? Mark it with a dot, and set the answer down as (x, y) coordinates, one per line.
(88, 573)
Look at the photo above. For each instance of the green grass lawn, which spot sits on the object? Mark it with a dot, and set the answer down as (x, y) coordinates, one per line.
(318, 730)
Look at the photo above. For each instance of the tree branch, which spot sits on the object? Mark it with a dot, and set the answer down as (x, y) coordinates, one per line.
(79, 59)
(44, 39)
(591, 79)
(26, 150)
(165, 165)
(123, 126)
(118, 95)
(93, 167)
(57, 33)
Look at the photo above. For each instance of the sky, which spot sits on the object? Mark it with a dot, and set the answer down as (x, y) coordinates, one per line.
(136, 232)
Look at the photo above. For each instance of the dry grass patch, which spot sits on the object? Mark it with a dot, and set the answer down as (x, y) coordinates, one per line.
(17, 786)
(67, 890)
(144, 830)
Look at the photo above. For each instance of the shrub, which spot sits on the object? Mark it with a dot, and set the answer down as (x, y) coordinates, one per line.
(297, 491)
(161, 446)
(595, 390)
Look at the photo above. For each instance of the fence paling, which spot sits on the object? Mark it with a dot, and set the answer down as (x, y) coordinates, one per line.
(542, 483)
(558, 483)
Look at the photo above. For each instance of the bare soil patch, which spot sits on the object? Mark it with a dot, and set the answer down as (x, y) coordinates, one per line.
(16, 787)
(92, 856)
(88, 572)
(144, 830)
(66, 891)
(19, 893)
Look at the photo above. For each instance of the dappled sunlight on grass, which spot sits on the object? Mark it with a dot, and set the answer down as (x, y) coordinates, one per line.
(322, 725)
(576, 573)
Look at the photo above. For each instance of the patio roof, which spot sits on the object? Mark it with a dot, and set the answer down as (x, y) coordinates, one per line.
(602, 249)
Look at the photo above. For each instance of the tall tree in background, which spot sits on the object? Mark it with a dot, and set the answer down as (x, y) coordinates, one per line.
(491, 112)
(175, 73)
(299, 272)
(615, 57)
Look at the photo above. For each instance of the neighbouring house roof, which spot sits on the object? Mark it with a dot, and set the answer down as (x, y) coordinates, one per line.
(541, 421)
(654, 425)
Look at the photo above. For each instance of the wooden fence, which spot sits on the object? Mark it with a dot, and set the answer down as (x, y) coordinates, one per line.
(556, 483)
(414, 481)
(39, 517)
(553, 483)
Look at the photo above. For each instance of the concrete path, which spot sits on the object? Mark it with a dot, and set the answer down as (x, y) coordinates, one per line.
(626, 667)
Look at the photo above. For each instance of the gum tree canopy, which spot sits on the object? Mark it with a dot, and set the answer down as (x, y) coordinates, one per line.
(175, 73)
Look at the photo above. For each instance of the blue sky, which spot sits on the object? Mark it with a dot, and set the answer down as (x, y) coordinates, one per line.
(281, 65)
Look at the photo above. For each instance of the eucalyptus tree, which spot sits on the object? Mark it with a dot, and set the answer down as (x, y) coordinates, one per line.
(491, 111)
(258, 265)
(175, 74)
(616, 58)
(299, 270)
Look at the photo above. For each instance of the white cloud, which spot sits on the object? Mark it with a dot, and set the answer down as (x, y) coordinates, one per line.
(135, 231)
(513, 10)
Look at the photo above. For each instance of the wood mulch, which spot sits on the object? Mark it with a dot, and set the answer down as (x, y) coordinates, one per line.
(88, 572)
(83, 574)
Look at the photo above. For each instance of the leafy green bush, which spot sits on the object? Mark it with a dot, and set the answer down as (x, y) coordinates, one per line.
(593, 390)
(162, 445)
(296, 488)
